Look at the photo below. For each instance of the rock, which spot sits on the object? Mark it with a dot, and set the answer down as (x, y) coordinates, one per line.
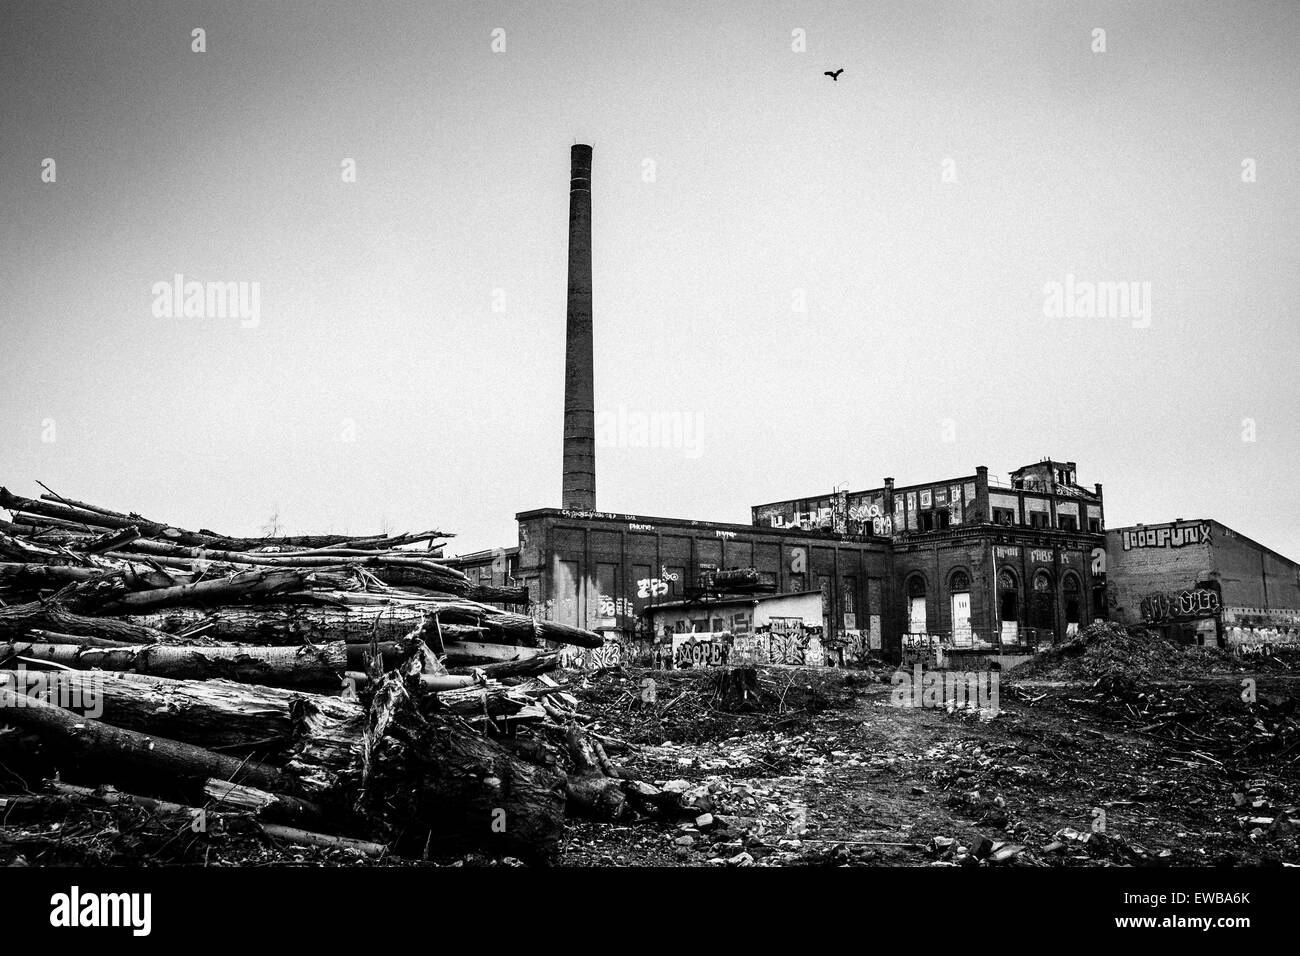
(1005, 851)
(941, 844)
(983, 847)
(741, 859)
(704, 821)
(685, 841)
(676, 786)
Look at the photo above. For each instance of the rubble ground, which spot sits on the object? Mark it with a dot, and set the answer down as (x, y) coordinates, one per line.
(1086, 763)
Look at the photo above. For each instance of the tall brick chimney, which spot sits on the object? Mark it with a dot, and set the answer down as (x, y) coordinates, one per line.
(579, 492)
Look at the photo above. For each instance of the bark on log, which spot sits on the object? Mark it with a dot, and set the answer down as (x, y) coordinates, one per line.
(274, 666)
(112, 594)
(524, 667)
(480, 652)
(290, 624)
(154, 755)
(215, 714)
(19, 620)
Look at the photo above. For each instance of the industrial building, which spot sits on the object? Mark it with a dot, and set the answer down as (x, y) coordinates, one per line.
(1203, 583)
(970, 564)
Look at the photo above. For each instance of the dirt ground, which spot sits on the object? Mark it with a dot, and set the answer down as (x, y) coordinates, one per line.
(1118, 769)
(1116, 749)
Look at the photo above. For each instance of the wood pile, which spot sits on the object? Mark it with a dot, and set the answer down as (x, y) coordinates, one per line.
(335, 691)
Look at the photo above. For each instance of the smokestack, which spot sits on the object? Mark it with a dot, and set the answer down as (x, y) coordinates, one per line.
(579, 491)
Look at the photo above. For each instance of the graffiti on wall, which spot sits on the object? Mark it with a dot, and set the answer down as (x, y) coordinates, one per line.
(656, 587)
(611, 606)
(1168, 536)
(784, 641)
(691, 651)
(1181, 605)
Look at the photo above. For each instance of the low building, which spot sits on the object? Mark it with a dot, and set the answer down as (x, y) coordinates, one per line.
(762, 629)
(1201, 582)
(607, 571)
(967, 562)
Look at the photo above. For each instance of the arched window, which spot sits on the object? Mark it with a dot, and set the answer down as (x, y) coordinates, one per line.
(1071, 593)
(1009, 606)
(1042, 602)
(959, 584)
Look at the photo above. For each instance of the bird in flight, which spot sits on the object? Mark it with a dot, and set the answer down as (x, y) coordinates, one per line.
(836, 75)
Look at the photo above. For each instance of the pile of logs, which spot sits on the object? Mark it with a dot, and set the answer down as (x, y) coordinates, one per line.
(345, 692)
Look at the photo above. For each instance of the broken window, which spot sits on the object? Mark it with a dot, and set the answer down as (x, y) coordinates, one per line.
(1005, 516)
(1068, 522)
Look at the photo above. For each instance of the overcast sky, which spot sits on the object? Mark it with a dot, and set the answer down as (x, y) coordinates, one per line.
(405, 370)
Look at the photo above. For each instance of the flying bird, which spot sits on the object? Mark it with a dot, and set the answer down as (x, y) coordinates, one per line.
(836, 75)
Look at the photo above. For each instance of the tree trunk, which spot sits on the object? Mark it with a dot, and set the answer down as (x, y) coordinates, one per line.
(523, 667)
(286, 625)
(216, 714)
(275, 666)
(17, 621)
(158, 756)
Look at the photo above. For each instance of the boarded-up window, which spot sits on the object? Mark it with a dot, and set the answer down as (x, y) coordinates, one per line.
(566, 592)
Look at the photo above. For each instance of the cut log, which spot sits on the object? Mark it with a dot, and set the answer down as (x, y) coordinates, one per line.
(19, 620)
(159, 756)
(39, 636)
(277, 807)
(524, 667)
(431, 682)
(112, 594)
(289, 624)
(479, 652)
(215, 714)
(305, 665)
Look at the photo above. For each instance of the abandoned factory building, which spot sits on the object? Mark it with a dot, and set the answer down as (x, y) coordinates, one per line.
(1203, 583)
(967, 564)
(966, 561)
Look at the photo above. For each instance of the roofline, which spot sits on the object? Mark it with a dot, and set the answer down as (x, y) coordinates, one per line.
(693, 523)
(1213, 521)
(753, 600)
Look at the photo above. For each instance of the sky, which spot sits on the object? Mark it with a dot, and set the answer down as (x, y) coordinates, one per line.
(815, 282)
